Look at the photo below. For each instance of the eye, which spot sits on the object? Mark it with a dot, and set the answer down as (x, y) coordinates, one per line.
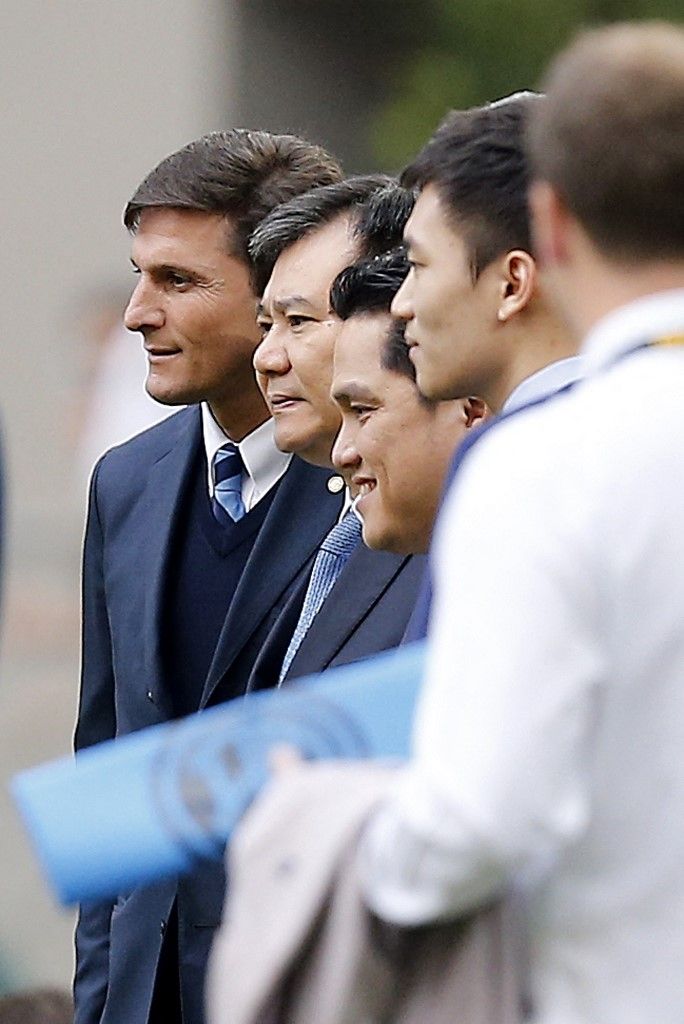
(361, 411)
(178, 281)
(264, 326)
(296, 320)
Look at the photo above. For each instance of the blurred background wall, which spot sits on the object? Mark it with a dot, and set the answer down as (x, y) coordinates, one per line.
(93, 94)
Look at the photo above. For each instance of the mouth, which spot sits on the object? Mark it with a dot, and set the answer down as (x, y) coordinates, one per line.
(361, 487)
(156, 354)
(281, 403)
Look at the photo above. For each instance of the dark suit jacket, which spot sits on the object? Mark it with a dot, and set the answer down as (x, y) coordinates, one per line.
(366, 612)
(134, 498)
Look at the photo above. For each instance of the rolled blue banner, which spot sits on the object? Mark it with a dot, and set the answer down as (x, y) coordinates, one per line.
(157, 802)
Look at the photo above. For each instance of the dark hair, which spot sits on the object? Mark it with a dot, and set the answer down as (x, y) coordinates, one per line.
(477, 161)
(610, 138)
(382, 219)
(303, 214)
(38, 1006)
(239, 173)
(369, 286)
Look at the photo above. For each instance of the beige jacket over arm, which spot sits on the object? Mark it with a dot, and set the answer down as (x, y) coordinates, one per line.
(298, 945)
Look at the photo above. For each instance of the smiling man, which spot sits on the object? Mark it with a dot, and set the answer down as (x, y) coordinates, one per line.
(394, 445)
(198, 529)
(355, 602)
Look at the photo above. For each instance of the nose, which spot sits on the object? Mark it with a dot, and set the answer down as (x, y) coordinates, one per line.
(402, 304)
(345, 455)
(270, 357)
(143, 309)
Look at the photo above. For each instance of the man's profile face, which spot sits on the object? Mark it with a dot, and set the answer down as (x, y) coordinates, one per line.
(393, 448)
(450, 319)
(294, 360)
(194, 305)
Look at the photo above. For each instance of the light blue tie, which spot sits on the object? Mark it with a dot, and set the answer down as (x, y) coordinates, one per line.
(227, 467)
(330, 560)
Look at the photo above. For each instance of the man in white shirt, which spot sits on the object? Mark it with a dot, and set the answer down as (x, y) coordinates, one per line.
(547, 749)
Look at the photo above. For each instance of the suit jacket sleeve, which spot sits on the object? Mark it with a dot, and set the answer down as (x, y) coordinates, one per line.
(96, 722)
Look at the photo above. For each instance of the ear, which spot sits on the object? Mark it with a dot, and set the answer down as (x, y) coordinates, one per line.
(518, 281)
(550, 222)
(476, 412)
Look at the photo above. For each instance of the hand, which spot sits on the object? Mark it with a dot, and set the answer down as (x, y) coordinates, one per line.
(284, 758)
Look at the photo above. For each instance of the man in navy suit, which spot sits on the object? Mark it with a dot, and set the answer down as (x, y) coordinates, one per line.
(297, 251)
(186, 567)
(394, 445)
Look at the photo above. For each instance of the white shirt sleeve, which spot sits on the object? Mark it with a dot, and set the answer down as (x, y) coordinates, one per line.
(499, 781)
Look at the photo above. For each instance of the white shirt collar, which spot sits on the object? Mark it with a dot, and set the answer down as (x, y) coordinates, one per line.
(264, 463)
(633, 325)
(545, 382)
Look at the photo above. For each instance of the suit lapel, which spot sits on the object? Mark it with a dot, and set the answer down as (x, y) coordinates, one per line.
(302, 512)
(166, 482)
(363, 581)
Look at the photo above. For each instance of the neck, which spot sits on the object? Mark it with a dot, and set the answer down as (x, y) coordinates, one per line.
(540, 343)
(589, 285)
(618, 287)
(238, 419)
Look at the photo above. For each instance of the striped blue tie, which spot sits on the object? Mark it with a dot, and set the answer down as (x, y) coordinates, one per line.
(330, 560)
(227, 467)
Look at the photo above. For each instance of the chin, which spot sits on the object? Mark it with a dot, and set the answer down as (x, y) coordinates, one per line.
(430, 387)
(168, 395)
(379, 539)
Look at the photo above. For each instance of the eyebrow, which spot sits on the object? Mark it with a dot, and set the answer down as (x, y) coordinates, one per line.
(167, 267)
(412, 243)
(282, 305)
(351, 391)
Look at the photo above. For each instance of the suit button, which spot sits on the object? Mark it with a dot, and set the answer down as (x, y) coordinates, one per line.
(162, 928)
(150, 696)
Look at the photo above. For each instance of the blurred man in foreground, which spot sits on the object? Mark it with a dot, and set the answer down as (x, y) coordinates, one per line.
(553, 763)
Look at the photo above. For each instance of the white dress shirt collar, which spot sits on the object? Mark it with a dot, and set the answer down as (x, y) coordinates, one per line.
(631, 326)
(545, 382)
(264, 463)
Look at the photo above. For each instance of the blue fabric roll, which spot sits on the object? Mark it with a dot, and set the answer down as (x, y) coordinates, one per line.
(156, 803)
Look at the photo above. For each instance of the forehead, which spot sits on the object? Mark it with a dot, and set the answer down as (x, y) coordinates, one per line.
(359, 345)
(430, 225)
(162, 231)
(309, 267)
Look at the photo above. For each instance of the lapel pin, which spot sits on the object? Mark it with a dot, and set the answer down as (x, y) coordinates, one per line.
(335, 484)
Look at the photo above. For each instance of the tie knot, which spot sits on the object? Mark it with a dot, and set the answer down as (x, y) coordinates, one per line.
(344, 537)
(227, 463)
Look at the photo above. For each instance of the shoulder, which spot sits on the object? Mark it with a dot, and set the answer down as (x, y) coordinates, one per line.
(303, 476)
(152, 444)
(122, 473)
